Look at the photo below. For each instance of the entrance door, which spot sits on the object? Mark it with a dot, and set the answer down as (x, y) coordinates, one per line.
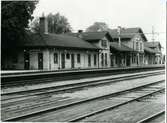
(72, 61)
(40, 60)
(62, 60)
(128, 60)
(111, 60)
(26, 60)
(89, 60)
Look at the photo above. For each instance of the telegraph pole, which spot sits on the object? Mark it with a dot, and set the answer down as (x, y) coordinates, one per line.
(153, 33)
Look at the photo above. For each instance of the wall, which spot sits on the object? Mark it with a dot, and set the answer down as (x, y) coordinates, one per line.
(83, 59)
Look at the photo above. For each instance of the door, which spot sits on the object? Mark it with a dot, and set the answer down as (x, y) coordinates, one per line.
(128, 60)
(26, 60)
(62, 60)
(112, 60)
(72, 61)
(102, 59)
(40, 61)
(89, 60)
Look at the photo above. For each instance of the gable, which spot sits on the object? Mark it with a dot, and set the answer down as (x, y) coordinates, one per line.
(127, 34)
(138, 38)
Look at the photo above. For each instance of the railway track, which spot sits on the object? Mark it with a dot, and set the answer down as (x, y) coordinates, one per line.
(20, 115)
(148, 119)
(72, 86)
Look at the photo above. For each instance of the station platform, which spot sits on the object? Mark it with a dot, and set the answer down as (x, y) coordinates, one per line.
(18, 72)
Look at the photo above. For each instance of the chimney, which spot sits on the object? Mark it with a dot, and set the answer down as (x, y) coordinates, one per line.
(43, 25)
(80, 33)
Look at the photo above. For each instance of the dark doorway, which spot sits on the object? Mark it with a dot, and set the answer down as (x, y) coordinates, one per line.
(102, 59)
(128, 60)
(112, 60)
(40, 60)
(72, 61)
(26, 61)
(62, 60)
(89, 60)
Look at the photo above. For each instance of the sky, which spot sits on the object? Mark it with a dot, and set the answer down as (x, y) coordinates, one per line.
(125, 13)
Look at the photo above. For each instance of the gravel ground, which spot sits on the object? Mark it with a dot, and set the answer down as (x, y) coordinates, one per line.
(86, 93)
(75, 111)
(89, 92)
(132, 112)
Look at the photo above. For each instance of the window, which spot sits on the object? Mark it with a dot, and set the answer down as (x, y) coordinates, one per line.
(78, 58)
(137, 45)
(141, 47)
(89, 60)
(104, 43)
(95, 60)
(55, 58)
(68, 56)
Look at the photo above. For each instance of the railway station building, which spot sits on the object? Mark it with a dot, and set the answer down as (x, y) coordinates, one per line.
(133, 39)
(46, 51)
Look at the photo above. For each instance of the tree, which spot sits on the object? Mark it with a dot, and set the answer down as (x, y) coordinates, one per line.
(97, 26)
(56, 24)
(15, 18)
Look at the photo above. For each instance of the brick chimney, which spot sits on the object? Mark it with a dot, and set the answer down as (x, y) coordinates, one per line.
(43, 25)
(80, 33)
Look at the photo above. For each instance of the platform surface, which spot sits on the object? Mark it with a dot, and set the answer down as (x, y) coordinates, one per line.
(3, 72)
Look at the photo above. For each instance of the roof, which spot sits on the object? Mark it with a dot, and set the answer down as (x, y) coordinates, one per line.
(122, 47)
(147, 49)
(127, 33)
(152, 44)
(55, 40)
(92, 36)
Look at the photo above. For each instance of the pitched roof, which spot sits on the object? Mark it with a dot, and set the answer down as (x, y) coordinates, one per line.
(152, 44)
(55, 40)
(121, 48)
(91, 36)
(147, 49)
(127, 33)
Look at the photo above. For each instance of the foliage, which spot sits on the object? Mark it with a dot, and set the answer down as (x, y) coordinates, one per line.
(97, 26)
(56, 24)
(15, 18)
